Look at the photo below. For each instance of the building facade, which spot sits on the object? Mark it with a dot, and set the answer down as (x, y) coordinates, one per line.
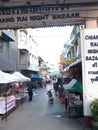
(73, 46)
(19, 51)
(72, 55)
(28, 59)
(8, 50)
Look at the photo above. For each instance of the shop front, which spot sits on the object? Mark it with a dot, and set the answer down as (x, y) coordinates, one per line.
(74, 89)
(74, 98)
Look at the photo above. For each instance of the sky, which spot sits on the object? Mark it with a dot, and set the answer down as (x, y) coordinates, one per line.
(51, 42)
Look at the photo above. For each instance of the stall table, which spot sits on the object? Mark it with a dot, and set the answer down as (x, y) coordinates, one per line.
(20, 97)
(75, 109)
(6, 105)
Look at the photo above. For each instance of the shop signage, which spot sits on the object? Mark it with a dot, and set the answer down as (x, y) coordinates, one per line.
(27, 14)
(41, 16)
(8, 105)
(89, 48)
(38, 17)
(29, 10)
(68, 62)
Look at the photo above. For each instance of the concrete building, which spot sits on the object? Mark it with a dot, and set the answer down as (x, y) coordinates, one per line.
(73, 46)
(19, 51)
(8, 50)
(72, 55)
(28, 58)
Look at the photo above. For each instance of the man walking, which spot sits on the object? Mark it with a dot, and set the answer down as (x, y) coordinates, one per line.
(30, 92)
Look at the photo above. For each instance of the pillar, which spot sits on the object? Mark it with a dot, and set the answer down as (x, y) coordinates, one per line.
(87, 119)
(91, 24)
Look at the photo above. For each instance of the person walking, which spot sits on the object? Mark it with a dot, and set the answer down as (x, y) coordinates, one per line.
(30, 92)
(55, 86)
(59, 84)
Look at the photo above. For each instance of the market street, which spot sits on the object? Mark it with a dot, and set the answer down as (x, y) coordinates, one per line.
(40, 115)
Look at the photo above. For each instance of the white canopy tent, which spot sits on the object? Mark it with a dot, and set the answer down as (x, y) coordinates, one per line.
(7, 78)
(21, 76)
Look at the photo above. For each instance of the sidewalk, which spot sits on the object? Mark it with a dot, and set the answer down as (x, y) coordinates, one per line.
(82, 123)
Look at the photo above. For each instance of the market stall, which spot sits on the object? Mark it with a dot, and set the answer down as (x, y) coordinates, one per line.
(9, 91)
(73, 96)
(21, 88)
(75, 100)
(7, 102)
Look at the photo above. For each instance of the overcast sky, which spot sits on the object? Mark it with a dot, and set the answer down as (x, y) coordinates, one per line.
(51, 42)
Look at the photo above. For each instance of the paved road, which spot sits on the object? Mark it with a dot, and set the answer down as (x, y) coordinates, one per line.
(40, 115)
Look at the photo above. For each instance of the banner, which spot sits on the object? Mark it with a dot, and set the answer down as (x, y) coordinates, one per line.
(43, 16)
(7, 104)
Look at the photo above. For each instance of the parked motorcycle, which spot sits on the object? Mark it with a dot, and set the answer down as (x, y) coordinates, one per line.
(50, 96)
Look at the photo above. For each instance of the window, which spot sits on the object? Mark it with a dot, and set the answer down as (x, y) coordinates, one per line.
(22, 36)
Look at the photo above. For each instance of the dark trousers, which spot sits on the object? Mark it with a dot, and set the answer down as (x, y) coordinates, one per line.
(55, 88)
(30, 96)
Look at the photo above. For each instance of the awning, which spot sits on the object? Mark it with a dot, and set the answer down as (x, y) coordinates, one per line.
(7, 78)
(70, 84)
(34, 76)
(75, 63)
(66, 69)
(21, 76)
(7, 35)
(40, 76)
(77, 87)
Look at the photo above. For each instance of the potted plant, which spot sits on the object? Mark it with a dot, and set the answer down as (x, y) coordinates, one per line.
(94, 111)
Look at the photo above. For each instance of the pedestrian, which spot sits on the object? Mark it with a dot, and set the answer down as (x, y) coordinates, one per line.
(48, 83)
(48, 79)
(55, 86)
(30, 92)
(66, 100)
(59, 84)
(44, 82)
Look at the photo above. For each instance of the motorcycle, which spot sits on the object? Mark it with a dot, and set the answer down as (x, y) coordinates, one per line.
(50, 96)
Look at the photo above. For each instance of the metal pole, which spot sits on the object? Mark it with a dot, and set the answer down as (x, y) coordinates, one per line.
(6, 107)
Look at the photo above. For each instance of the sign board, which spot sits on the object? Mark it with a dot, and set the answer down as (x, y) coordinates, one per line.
(68, 62)
(89, 48)
(43, 16)
(8, 105)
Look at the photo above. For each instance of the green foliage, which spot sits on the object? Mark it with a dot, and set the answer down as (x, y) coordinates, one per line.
(94, 109)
